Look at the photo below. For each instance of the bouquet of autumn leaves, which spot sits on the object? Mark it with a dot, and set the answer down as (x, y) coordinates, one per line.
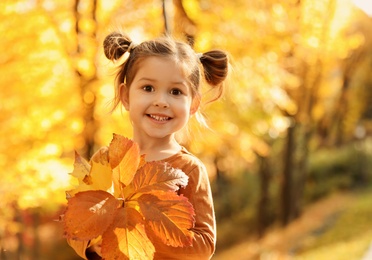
(128, 203)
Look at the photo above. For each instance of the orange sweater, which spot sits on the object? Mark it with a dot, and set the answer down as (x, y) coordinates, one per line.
(199, 193)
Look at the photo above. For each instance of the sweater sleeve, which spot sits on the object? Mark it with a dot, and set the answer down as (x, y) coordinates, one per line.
(199, 193)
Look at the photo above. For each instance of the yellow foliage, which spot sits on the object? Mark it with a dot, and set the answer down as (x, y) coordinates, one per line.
(277, 51)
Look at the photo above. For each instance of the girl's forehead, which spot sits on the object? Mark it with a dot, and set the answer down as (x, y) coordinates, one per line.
(157, 64)
(170, 60)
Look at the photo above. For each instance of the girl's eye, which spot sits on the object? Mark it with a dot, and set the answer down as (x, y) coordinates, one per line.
(176, 92)
(148, 88)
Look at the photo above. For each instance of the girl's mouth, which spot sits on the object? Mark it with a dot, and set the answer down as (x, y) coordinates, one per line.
(159, 118)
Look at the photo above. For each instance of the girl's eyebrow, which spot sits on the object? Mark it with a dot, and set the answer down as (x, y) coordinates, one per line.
(147, 79)
(154, 80)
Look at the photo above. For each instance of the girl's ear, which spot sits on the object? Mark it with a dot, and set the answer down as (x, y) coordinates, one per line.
(124, 95)
(194, 105)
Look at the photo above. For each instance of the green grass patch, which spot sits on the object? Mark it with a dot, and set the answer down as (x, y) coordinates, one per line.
(349, 237)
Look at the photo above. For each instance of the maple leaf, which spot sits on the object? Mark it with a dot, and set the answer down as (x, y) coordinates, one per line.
(139, 209)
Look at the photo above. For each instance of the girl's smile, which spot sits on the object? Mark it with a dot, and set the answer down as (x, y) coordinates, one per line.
(160, 118)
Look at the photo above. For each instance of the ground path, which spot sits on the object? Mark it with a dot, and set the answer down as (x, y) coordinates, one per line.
(281, 243)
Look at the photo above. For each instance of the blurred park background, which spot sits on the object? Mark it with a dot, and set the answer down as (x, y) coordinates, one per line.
(290, 150)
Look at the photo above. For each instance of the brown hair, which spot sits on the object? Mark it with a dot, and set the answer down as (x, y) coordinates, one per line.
(214, 63)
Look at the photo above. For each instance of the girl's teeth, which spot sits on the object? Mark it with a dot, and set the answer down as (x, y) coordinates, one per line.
(159, 118)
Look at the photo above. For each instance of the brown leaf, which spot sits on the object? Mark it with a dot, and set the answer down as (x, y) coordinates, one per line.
(88, 180)
(101, 156)
(88, 214)
(126, 237)
(170, 217)
(155, 176)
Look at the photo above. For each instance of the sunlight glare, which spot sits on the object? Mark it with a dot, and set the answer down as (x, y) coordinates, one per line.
(47, 36)
(52, 149)
(66, 26)
(364, 5)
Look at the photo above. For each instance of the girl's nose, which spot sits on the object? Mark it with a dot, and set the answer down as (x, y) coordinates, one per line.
(161, 101)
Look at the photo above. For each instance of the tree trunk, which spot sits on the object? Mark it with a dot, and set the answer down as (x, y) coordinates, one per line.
(35, 215)
(301, 168)
(86, 81)
(287, 181)
(264, 200)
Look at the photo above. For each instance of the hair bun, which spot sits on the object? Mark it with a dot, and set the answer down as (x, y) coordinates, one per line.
(115, 45)
(215, 65)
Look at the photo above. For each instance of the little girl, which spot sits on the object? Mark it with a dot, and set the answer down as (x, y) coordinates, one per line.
(159, 85)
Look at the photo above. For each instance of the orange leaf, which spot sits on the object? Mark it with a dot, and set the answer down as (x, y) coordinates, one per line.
(88, 214)
(124, 158)
(126, 238)
(170, 217)
(155, 176)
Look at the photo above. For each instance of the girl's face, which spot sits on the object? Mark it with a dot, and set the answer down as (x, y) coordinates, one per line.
(159, 100)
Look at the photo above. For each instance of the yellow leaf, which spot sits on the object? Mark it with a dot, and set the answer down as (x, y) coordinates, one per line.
(81, 168)
(99, 176)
